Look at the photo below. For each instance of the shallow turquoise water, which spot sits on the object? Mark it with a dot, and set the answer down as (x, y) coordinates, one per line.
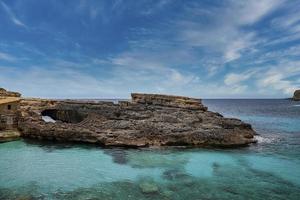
(267, 170)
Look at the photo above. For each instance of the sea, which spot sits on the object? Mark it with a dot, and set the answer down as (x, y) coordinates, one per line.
(270, 169)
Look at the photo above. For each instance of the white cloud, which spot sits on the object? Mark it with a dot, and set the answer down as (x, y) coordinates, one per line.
(233, 50)
(251, 11)
(53, 83)
(12, 16)
(226, 35)
(136, 60)
(275, 54)
(235, 78)
(270, 80)
(232, 78)
(6, 57)
(156, 7)
(287, 21)
(65, 82)
(290, 21)
(280, 77)
(170, 59)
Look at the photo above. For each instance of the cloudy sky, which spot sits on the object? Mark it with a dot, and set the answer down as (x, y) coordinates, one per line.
(110, 48)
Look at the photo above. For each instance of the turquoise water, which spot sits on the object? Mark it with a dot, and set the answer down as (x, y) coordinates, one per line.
(267, 170)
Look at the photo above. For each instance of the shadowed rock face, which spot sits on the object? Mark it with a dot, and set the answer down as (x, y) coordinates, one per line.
(67, 116)
(149, 120)
(296, 95)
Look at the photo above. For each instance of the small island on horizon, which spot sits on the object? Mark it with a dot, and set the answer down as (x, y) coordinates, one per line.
(296, 96)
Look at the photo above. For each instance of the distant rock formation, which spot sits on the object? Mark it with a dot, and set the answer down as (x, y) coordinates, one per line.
(148, 120)
(296, 96)
(5, 93)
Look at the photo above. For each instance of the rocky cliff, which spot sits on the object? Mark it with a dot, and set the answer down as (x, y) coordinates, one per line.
(296, 96)
(147, 120)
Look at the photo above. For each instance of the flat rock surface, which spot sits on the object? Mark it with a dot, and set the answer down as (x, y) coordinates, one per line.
(148, 120)
(9, 135)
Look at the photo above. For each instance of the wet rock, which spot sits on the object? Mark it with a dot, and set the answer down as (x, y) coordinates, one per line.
(28, 197)
(167, 194)
(148, 188)
(215, 167)
(149, 120)
(9, 135)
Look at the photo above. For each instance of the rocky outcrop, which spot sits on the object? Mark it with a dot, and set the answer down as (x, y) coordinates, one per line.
(296, 96)
(5, 93)
(169, 101)
(9, 135)
(148, 120)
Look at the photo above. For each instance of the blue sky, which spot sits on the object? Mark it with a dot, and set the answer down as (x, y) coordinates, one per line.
(110, 48)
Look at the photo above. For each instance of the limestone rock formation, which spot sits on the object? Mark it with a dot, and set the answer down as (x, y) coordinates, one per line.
(9, 135)
(170, 101)
(5, 93)
(148, 120)
(296, 96)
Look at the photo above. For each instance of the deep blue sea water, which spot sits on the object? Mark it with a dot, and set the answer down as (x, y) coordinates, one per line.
(267, 170)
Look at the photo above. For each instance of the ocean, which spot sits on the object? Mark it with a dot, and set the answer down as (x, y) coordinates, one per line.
(269, 169)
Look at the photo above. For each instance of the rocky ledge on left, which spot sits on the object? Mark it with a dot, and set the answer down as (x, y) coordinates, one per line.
(9, 115)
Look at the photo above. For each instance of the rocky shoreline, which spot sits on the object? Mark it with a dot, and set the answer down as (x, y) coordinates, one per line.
(146, 120)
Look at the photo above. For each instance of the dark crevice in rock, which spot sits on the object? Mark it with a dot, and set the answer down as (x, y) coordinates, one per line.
(67, 116)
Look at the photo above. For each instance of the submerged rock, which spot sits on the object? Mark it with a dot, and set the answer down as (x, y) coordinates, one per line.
(148, 120)
(148, 188)
(119, 156)
(296, 96)
(175, 174)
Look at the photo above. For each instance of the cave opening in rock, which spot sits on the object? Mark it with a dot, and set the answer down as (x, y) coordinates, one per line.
(67, 116)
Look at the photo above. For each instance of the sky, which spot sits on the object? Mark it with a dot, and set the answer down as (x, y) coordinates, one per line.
(110, 48)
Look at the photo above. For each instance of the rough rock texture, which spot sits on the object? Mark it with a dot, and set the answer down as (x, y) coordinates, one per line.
(169, 101)
(149, 120)
(296, 96)
(9, 135)
(5, 93)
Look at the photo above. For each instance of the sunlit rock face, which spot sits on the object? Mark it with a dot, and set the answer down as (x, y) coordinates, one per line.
(148, 120)
(297, 95)
(168, 101)
(9, 135)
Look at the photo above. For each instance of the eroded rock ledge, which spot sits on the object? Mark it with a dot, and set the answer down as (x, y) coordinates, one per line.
(148, 120)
